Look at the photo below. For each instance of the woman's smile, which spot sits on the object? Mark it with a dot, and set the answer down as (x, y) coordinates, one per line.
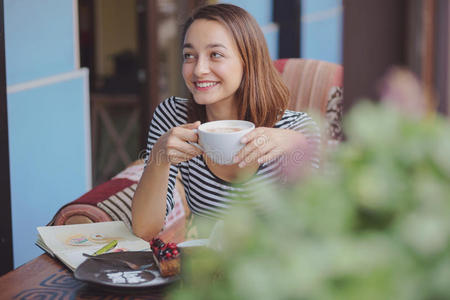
(205, 85)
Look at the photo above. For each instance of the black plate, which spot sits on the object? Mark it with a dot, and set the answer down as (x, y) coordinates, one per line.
(110, 274)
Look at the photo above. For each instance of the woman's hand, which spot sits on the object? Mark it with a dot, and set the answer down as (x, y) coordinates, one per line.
(173, 146)
(264, 144)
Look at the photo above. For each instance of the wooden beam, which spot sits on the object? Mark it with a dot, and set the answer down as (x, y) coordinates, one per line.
(428, 48)
(6, 251)
(287, 15)
(442, 61)
(374, 40)
(148, 64)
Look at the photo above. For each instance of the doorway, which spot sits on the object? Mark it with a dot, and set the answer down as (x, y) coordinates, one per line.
(132, 49)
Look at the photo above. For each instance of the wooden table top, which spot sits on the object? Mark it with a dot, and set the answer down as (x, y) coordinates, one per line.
(46, 278)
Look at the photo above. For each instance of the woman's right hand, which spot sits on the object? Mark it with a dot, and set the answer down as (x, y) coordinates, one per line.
(173, 147)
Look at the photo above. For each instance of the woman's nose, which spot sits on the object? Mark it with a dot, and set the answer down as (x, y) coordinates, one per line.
(201, 67)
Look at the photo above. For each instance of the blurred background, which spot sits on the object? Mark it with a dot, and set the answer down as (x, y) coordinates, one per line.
(132, 51)
(81, 78)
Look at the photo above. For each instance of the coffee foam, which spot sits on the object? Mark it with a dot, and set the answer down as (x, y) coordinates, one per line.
(223, 129)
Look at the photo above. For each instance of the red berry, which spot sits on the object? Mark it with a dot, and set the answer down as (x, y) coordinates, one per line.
(174, 252)
(168, 255)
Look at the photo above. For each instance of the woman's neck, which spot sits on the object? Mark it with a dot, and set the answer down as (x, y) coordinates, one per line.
(221, 111)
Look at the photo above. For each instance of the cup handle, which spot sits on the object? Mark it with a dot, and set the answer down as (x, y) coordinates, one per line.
(195, 144)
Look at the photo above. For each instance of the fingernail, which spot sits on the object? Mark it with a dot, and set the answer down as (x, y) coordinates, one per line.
(242, 164)
(244, 140)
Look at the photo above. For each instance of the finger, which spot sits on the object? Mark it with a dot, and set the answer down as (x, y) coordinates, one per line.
(252, 134)
(257, 142)
(176, 156)
(186, 133)
(191, 136)
(183, 147)
(176, 159)
(250, 158)
(246, 150)
(271, 155)
(191, 125)
(255, 155)
(193, 151)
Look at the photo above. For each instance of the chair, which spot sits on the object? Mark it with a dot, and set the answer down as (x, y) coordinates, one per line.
(111, 201)
(315, 86)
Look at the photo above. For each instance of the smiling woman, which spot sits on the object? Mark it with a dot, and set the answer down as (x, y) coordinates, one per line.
(228, 70)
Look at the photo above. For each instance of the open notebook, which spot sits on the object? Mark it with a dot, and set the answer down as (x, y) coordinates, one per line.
(69, 242)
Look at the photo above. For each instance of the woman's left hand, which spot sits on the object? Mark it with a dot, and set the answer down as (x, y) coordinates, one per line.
(264, 144)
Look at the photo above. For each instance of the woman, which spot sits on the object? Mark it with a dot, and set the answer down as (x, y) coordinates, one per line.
(228, 70)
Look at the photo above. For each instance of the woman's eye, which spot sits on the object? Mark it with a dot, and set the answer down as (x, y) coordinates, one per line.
(187, 56)
(216, 55)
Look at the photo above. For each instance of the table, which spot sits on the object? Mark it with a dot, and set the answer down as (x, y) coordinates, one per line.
(46, 278)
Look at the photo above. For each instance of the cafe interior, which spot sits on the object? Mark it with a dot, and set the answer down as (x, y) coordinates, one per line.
(80, 81)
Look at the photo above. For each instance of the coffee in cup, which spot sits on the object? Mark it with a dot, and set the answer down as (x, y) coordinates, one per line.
(221, 140)
(224, 129)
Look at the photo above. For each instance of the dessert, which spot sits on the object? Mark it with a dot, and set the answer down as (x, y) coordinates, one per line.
(167, 257)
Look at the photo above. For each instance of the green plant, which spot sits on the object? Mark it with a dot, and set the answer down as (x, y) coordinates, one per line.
(376, 225)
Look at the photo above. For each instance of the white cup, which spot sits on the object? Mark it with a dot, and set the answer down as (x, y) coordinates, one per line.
(220, 140)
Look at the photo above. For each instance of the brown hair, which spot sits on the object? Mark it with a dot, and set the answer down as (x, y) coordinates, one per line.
(262, 93)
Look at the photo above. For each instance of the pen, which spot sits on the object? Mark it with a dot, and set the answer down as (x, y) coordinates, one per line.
(106, 248)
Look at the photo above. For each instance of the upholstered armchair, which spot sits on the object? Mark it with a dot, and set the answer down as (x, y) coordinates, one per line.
(315, 86)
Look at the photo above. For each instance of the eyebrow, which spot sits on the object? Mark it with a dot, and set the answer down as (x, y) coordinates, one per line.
(216, 45)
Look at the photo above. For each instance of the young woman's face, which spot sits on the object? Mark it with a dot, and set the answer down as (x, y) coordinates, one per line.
(212, 66)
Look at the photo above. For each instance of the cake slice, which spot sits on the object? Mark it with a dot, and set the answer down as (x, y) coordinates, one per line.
(167, 257)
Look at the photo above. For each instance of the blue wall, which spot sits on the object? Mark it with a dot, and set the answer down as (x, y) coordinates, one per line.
(48, 116)
(321, 30)
(321, 27)
(39, 39)
(261, 10)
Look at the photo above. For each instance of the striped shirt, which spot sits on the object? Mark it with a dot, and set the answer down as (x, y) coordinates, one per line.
(207, 194)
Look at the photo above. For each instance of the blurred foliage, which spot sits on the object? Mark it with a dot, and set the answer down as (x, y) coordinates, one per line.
(375, 225)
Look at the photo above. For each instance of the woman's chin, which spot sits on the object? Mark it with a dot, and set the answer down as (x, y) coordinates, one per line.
(203, 101)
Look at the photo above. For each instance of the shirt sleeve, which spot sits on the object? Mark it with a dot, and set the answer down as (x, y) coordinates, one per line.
(303, 123)
(163, 120)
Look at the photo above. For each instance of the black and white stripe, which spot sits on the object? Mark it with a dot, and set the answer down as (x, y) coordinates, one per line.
(206, 194)
(118, 206)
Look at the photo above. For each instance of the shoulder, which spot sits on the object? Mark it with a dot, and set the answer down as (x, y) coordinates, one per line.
(292, 119)
(293, 114)
(173, 110)
(173, 104)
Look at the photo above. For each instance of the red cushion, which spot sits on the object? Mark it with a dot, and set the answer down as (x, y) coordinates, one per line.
(104, 191)
(89, 212)
(86, 205)
(280, 63)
